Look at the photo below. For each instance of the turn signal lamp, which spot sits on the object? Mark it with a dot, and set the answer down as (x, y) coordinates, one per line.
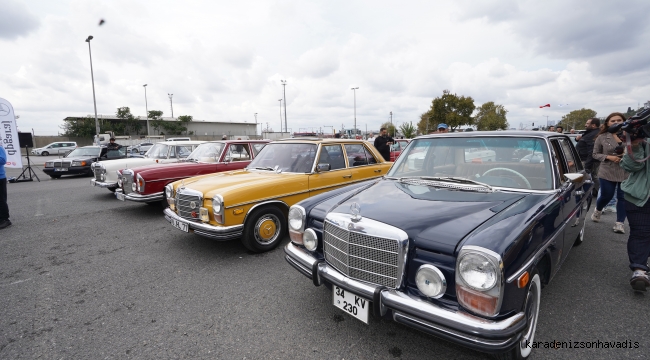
(522, 281)
(203, 213)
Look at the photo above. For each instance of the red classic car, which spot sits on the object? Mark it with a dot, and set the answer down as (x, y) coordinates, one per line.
(147, 183)
(397, 148)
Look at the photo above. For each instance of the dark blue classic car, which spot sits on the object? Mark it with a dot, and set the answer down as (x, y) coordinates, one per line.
(456, 240)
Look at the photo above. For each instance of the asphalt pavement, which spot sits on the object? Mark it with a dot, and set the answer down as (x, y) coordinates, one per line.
(85, 276)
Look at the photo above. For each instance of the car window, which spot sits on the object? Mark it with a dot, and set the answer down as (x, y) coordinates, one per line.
(332, 155)
(181, 152)
(559, 159)
(358, 155)
(158, 151)
(395, 147)
(568, 155)
(257, 147)
(207, 153)
(285, 157)
(238, 152)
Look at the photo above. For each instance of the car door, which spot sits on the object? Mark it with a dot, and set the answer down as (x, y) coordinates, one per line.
(363, 165)
(577, 195)
(236, 156)
(337, 175)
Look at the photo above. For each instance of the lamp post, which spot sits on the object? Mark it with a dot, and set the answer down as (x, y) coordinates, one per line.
(146, 107)
(284, 94)
(546, 116)
(255, 123)
(280, 100)
(92, 77)
(171, 104)
(354, 89)
(391, 122)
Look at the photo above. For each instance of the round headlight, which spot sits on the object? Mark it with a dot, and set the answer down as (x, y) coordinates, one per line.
(477, 271)
(169, 191)
(430, 281)
(133, 187)
(296, 218)
(217, 203)
(310, 240)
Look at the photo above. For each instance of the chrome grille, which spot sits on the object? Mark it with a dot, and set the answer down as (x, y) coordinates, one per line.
(363, 257)
(61, 164)
(183, 199)
(127, 180)
(97, 170)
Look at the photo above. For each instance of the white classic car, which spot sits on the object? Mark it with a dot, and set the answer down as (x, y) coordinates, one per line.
(105, 173)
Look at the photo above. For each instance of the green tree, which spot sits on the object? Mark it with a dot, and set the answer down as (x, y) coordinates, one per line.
(75, 127)
(408, 130)
(389, 127)
(131, 124)
(185, 120)
(450, 109)
(576, 119)
(155, 117)
(491, 117)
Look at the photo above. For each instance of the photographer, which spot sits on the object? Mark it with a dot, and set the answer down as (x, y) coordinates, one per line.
(608, 150)
(383, 143)
(585, 147)
(637, 191)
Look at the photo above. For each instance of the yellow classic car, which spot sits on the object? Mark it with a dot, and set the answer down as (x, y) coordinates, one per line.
(253, 203)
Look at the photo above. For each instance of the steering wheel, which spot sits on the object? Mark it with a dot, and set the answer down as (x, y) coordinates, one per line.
(512, 171)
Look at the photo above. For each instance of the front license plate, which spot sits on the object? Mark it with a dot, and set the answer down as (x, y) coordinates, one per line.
(351, 303)
(120, 196)
(60, 169)
(179, 225)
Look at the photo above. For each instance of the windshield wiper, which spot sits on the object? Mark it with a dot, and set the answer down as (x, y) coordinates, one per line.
(265, 168)
(455, 179)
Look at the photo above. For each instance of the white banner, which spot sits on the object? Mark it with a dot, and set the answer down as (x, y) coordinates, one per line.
(9, 135)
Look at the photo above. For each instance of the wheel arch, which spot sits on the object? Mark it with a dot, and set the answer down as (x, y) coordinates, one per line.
(277, 203)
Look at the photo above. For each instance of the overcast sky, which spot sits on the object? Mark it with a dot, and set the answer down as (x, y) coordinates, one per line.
(223, 60)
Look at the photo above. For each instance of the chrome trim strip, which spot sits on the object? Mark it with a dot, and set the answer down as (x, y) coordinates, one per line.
(159, 196)
(103, 184)
(538, 253)
(207, 230)
(267, 199)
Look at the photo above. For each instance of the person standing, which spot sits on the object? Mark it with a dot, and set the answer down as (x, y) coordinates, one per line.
(371, 137)
(112, 145)
(383, 143)
(637, 191)
(610, 173)
(4, 208)
(585, 148)
(443, 128)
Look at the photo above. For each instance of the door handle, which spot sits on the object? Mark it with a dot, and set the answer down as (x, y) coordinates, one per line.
(379, 170)
(347, 176)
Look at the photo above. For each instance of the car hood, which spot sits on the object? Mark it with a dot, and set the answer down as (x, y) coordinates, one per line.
(182, 169)
(244, 186)
(77, 158)
(126, 163)
(435, 219)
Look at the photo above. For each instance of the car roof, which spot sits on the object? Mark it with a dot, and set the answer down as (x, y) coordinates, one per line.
(183, 142)
(508, 133)
(307, 140)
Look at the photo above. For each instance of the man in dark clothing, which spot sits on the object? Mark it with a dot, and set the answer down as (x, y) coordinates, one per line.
(585, 148)
(112, 145)
(383, 143)
(4, 209)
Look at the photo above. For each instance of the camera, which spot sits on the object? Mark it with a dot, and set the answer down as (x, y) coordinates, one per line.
(637, 126)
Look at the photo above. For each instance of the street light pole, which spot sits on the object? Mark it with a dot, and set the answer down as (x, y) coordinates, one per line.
(354, 89)
(284, 93)
(255, 123)
(171, 104)
(146, 107)
(280, 100)
(391, 122)
(546, 121)
(92, 77)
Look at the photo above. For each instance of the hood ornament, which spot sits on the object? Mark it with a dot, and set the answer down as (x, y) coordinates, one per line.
(355, 210)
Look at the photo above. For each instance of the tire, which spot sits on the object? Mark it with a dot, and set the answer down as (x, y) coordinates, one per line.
(45, 153)
(264, 229)
(134, 151)
(521, 351)
(55, 176)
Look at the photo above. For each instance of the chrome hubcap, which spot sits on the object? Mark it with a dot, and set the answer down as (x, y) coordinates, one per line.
(267, 229)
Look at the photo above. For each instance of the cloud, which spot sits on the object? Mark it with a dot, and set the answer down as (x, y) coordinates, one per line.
(16, 20)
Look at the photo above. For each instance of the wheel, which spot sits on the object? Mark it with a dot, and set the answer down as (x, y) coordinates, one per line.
(134, 151)
(45, 153)
(264, 229)
(512, 171)
(525, 347)
(55, 176)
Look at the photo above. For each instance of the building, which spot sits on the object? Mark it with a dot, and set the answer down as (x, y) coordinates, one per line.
(195, 127)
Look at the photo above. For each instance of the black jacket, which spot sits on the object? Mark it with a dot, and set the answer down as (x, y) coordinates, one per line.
(585, 147)
(383, 148)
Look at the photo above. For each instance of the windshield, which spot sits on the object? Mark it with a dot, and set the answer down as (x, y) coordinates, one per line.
(91, 151)
(511, 162)
(116, 153)
(206, 153)
(158, 151)
(297, 158)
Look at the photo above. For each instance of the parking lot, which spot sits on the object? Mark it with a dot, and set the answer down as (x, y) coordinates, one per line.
(86, 276)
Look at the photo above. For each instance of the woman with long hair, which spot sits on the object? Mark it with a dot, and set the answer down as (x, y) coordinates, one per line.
(610, 173)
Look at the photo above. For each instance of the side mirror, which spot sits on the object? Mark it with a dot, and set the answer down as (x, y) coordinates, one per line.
(323, 167)
(574, 177)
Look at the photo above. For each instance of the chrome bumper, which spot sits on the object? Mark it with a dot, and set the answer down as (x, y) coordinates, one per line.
(457, 326)
(159, 196)
(104, 184)
(207, 230)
